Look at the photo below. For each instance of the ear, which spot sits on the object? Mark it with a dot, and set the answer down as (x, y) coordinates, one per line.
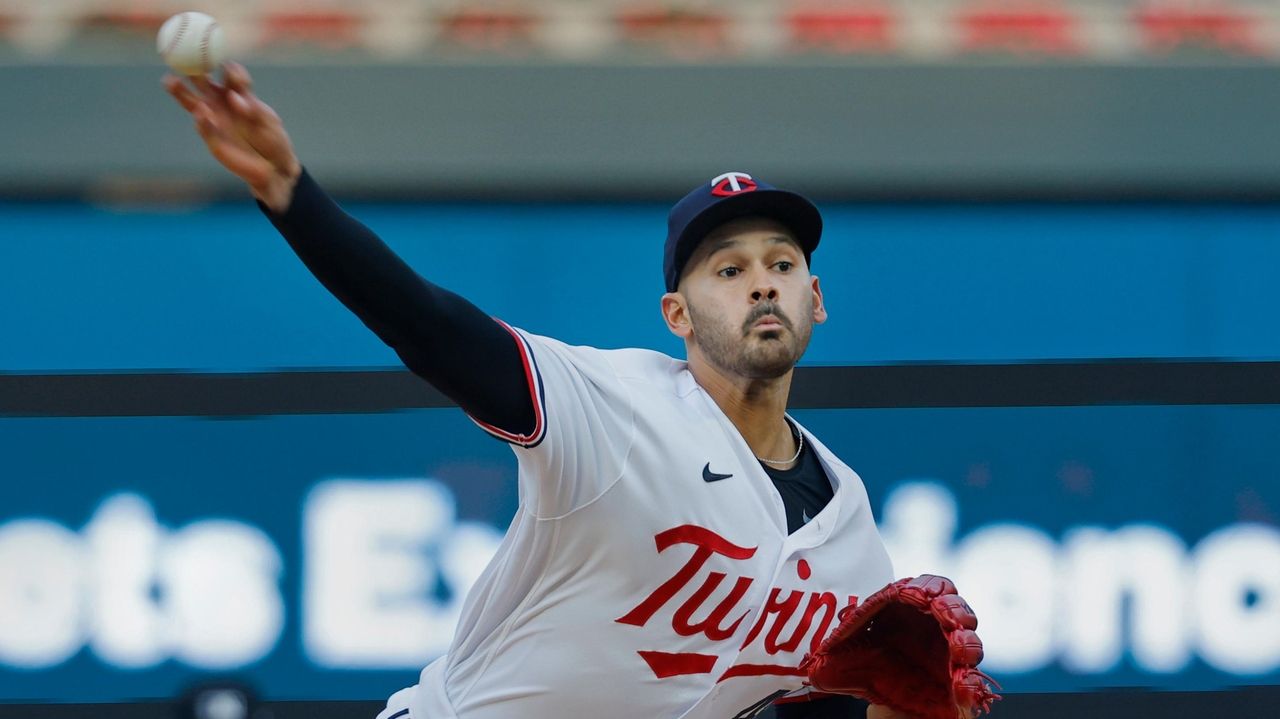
(819, 309)
(676, 314)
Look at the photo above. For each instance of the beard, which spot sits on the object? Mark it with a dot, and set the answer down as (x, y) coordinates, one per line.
(755, 355)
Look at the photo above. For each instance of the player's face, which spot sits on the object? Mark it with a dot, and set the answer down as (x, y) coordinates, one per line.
(750, 299)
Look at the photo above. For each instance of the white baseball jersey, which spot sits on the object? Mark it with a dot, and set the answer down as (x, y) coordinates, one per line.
(648, 571)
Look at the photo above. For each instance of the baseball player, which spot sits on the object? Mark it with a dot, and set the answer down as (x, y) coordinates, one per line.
(682, 544)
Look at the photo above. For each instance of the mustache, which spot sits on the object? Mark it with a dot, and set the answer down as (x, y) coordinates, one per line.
(762, 309)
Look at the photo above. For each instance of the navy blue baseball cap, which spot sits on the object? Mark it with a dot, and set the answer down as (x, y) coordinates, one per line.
(728, 197)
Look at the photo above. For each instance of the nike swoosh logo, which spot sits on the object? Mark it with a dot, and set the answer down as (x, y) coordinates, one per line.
(709, 476)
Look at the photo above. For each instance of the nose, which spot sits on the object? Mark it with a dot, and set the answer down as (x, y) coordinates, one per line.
(764, 293)
(764, 289)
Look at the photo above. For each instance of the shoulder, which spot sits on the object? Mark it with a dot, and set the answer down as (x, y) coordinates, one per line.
(627, 364)
(644, 365)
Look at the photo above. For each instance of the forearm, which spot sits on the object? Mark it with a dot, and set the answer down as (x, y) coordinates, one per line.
(440, 336)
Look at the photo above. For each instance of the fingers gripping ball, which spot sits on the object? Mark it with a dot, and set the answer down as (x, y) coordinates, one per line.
(191, 43)
(911, 647)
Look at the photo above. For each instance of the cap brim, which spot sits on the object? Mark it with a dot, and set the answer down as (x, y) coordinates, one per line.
(791, 210)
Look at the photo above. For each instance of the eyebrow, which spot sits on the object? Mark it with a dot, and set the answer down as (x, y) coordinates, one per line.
(728, 242)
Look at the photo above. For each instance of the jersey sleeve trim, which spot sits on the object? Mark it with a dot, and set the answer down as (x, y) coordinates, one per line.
(534, 380)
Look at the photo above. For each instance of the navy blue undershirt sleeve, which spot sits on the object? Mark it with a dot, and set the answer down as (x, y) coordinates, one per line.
(441, 337)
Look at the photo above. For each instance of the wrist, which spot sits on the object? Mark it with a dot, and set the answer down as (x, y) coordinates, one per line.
(277, 195)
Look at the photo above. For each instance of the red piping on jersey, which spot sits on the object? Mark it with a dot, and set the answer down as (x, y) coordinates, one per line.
(535, 395)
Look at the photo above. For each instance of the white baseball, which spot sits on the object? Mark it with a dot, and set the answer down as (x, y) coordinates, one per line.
(191, 43)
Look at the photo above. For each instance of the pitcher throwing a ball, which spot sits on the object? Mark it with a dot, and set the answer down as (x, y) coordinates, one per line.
(682, 547)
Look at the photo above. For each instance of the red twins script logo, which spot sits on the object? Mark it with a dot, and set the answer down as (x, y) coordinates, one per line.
(732, 183)
(723, 620)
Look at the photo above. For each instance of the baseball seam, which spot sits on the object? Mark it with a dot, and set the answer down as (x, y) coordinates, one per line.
(177, 36)
(204, 46)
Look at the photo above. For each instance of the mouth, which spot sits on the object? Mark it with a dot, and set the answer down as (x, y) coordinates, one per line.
(768, 323)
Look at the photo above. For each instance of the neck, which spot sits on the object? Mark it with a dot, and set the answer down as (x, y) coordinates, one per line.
(756, 407)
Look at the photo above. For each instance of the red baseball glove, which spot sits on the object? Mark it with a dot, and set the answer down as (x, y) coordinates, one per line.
(910, 647)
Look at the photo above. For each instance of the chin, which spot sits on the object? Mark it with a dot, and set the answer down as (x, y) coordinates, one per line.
(769, 372)
(768, 366)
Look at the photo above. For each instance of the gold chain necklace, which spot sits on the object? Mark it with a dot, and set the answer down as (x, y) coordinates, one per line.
(799, 446)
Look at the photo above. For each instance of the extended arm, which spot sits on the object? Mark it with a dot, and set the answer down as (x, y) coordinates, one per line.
(440, 336)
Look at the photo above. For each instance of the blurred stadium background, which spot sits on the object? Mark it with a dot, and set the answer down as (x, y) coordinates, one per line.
(1051, 260)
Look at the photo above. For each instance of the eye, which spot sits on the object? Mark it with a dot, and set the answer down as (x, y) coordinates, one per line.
(730, 272)
(785, 266)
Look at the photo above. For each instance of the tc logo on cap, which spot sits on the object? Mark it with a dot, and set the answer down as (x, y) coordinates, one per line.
(732, 183)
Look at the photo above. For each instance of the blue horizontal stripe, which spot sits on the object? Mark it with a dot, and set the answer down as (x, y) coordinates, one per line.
(216, 289)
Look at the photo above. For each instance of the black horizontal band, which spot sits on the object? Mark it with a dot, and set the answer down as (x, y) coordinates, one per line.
(1253, 701)
(1041, 384)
